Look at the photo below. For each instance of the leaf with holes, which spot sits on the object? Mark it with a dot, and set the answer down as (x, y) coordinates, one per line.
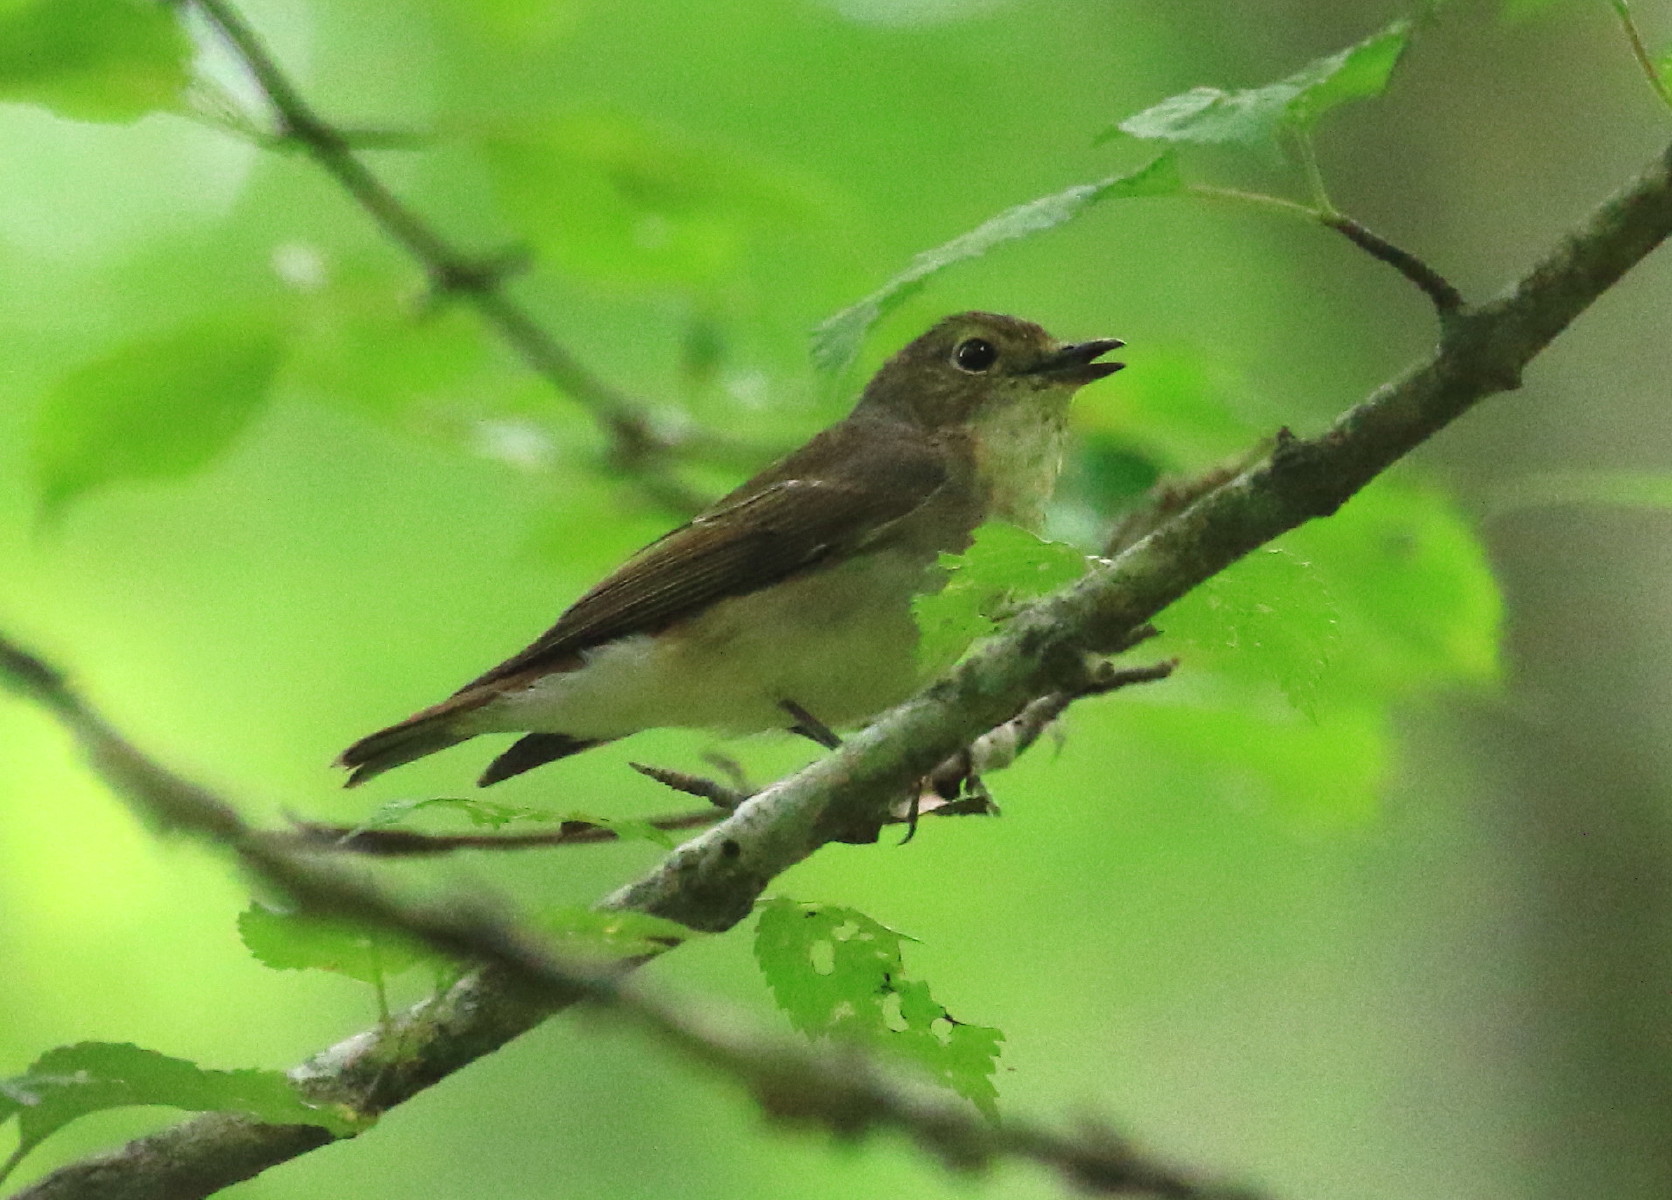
(836, 341)
(837, 973)
(1257, 116)
(1004, 566)
(94, 60)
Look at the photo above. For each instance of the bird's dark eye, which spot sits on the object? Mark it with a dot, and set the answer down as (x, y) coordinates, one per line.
(974, 355)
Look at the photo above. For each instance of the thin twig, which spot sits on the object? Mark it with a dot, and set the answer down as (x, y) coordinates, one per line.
(1314, 174)
(410, 843)
(716, 793)
(637, 446)
(1002, 745)
(712, 881)
(1447, 300)
(996, 749)
(836, 1088)
(1640, 51)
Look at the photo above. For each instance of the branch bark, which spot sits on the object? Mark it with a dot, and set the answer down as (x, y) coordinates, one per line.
(837, 1088)
(711, 882)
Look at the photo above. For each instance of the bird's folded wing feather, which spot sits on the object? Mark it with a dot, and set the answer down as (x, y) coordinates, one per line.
(768, 530)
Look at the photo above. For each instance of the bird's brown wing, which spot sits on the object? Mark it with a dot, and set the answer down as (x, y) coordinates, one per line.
(777, 525)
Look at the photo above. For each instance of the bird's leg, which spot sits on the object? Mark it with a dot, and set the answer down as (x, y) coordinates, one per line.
(809, 726)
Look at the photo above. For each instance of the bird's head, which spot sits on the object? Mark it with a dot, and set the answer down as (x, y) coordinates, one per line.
(973, 366)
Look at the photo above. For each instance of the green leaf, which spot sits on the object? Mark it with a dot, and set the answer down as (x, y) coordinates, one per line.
(291, 942)
(94, 60)
(155, 409)
(1663, 68)
(590, 933)
(73, 1081)
(490, 814)
(605, 196)
(836, 341)
(837, 973)
(1004, 566)
(1180, 410)
(1389, 601)
(1267, 617)
(1417, 601)
(483, 814)
(1256, 116)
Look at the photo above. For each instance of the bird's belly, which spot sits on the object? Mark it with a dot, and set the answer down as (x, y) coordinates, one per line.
(839, 642)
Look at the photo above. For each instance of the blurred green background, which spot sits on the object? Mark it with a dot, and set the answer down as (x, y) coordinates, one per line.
(1374, 902)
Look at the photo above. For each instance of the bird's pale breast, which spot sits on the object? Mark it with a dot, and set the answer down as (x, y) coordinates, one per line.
(840, 642)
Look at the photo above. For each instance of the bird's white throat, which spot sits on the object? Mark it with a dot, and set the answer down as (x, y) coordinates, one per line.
(1018, 455)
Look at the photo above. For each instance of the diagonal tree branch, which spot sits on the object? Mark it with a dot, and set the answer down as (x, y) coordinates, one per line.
(637, 446)
(711, 882)
(839, 1089)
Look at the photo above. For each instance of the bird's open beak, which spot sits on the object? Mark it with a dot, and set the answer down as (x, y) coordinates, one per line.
(1077, 364)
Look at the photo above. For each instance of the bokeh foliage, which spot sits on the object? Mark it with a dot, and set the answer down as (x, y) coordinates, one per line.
(262, 491)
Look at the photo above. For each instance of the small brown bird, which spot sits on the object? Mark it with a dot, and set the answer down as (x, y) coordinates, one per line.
(787, 604)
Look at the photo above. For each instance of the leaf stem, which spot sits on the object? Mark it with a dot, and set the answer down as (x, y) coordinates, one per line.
(15, 1157)
(1292, 208)
(1314, 174)
(1640, 51)
(1447, 300)
(380, 986)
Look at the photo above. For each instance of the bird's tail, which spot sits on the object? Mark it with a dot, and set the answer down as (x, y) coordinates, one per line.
(424, 733)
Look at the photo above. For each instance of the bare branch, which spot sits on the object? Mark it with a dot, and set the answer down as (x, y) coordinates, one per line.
(994, 750)
(410, 843)
(1447, 300)
(712, 881)
(835, 1088)
(638, 447)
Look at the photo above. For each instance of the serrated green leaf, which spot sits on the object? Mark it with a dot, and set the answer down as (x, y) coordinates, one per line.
(1257, 116)
(837, 973)
(1004, 566)
(1396, 601)
(1418, 604)
(1269, 616)
(483, 814)
(836, 341)
(291, 942)
(490, 814)
(156, 409)
(628, 829)
(606, 196)
(73, 1081)
(94, 60)
(590, 933)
